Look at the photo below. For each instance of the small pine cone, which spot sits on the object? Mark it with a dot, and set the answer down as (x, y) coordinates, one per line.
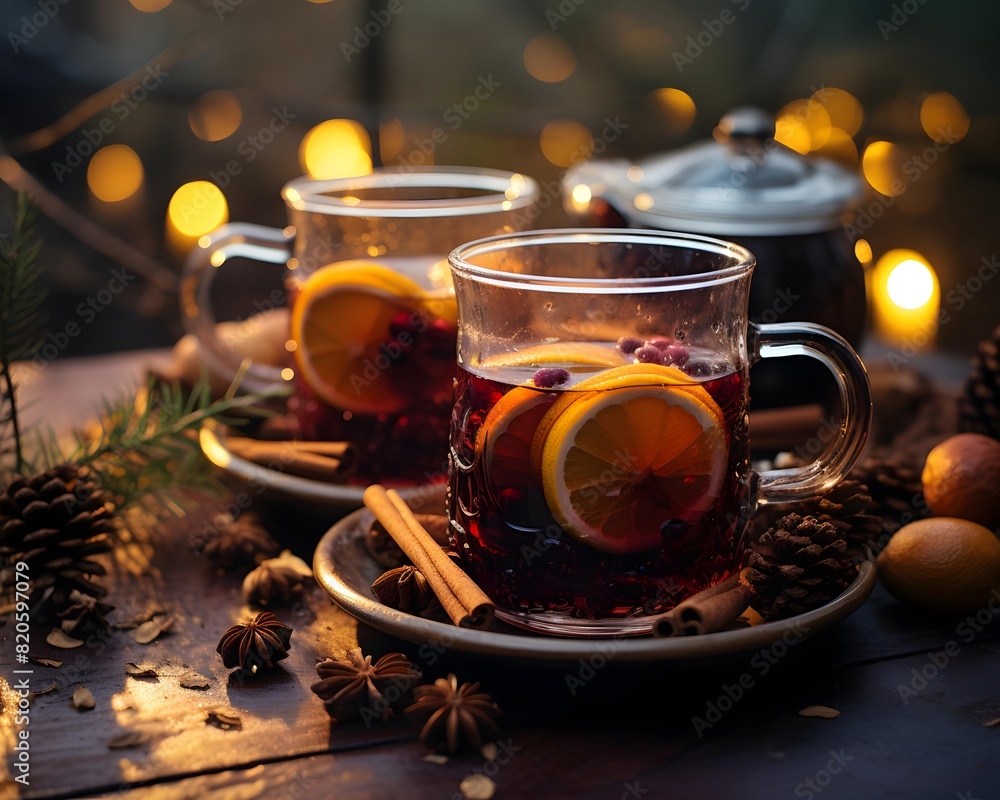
(54, 522)
(796, 566)
(979, 405)
(848, 508)
(895, 487)
(232, 544)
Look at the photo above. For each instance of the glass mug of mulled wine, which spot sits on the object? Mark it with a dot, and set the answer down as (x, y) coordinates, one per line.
(599, 458)
(371, 307)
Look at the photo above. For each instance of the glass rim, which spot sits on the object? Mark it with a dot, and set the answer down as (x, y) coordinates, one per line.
(461, 266)
(310, 194)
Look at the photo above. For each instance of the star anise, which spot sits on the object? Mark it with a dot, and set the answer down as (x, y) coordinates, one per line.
(355, 687)
(454, 715)
(257, 644)
(232, 544)
(277, 581)
(406, 589)
(84, 615)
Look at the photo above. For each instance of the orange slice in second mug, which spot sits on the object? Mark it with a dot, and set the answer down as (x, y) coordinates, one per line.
(340, 319)
(617, 464)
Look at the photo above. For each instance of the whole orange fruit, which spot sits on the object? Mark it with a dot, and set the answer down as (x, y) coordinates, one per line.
(942, 563)
(962, 479)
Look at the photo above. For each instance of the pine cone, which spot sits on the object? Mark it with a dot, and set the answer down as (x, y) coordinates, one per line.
(54, 522)
(796, 566)
(979, 405)
(848, 508)
(895, 487)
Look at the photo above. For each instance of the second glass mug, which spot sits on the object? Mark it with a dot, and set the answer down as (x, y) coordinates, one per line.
(600, 465)
(374, 363)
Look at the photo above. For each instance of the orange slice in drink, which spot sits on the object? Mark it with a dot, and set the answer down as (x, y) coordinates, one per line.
(617, 464)
(340, 322)
(504, 442)
(579, 355)
(619, 377)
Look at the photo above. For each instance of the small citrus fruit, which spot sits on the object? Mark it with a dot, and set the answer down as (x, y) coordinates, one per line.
(942, 563)
(962, 479)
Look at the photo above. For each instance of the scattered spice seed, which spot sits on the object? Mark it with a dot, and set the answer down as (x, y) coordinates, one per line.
(44, 662)
(148, 631)
(223, 720)
(194, 680)
(133, 669)
(51, 688)
(477, 787)
(83, 699)
(57, 638)
(489, 751)
(127, 739)
(825, 712)
(436, 758)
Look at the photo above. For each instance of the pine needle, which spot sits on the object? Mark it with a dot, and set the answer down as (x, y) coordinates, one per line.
(21, 325)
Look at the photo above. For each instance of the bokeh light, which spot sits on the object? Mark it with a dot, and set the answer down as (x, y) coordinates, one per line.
(803, 126)
(197, 208)
(337, 148)
(676, 107)
(944, 118)
(580, 197)
(844, 109)
(910, 284)
(391, 137)
(565, 142)
(881, 164)
(215, 115)
(150, 5)
(840, 147)
(863, 251)
(906, 298)
(114, 173)
(548, 59)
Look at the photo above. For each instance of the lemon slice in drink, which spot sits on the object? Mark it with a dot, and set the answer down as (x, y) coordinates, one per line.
(617, 464)
(340, 319)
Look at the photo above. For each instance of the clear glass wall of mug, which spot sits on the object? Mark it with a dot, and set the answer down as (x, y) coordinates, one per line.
(600, 462)
(372, 318)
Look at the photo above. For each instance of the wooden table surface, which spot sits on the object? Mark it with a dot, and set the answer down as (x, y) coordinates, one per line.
(628, 732)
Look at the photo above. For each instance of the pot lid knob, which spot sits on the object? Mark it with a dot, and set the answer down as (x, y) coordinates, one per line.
(745, 123)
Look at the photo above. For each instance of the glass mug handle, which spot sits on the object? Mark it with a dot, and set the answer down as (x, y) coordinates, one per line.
(257, 242)
(806, 339)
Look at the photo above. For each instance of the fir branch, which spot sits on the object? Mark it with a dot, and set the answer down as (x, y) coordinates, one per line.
(149, 449)
(21, 326)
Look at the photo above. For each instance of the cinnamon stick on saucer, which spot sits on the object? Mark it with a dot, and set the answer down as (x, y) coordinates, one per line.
(321, 461)
(706, 612)
(464, 602)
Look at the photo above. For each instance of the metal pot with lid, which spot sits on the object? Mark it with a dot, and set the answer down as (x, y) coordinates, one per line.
(743, 186)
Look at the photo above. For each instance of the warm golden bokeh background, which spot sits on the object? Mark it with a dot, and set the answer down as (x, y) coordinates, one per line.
(215, 103)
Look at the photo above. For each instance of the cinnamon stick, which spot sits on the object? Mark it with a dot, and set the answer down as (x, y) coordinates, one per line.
(463, 601)
(709, 611)
(323, 461)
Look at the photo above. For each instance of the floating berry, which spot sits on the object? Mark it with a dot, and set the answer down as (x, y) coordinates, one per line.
(647, 354)
(629, 344)
(660, 342)
(676, 354)
(402, 322)
(697, 368)
(547, 377)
